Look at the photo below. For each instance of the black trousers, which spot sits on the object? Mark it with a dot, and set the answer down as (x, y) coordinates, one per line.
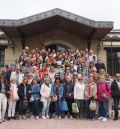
(116, 106)
(69, 103)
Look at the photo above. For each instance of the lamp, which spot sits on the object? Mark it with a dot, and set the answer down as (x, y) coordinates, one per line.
(99, 47)
(13, 45)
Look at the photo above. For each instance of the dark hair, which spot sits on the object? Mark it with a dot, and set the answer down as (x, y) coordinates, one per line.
(57, 79)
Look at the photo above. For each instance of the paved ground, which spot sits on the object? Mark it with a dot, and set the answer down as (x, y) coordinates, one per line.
(60, 124)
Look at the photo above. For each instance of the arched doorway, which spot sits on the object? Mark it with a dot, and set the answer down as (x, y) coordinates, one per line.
(58, 45)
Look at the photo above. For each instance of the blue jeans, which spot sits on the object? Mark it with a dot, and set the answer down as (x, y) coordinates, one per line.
(58, 107)
(46, 105)
(35, 107)
(103, 109)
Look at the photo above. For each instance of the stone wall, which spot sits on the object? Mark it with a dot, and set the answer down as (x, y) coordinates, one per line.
(10, 54)
(57, 35)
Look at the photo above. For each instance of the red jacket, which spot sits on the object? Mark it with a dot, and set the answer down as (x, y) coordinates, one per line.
(103, 88)
(42, 72)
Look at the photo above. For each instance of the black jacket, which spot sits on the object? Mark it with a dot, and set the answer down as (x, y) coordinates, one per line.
(100, 66)
(115, 91)
(21, 93)
(6, 89)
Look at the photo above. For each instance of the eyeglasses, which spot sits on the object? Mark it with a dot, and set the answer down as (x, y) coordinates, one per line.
(80, 79)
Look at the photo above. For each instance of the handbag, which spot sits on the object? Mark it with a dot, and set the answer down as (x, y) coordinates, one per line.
(64, 106)
(31, 99)
(75, 108)
(105, 96)
(93, 105)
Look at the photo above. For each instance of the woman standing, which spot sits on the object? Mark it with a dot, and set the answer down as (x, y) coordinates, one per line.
(103, 93)
(46, 97)
(90, 95)
(3, 98)
(79, 90)
(57, 94)
(13, 91)
(24, 92)
(36, 98)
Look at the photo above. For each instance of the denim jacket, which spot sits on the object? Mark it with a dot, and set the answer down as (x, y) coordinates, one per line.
(36, 91)
(60, 92)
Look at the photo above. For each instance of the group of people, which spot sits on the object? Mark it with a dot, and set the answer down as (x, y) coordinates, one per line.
(50, 83)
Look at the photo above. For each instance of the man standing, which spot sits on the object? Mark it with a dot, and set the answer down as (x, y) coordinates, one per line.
(99, 65)
(115, 88)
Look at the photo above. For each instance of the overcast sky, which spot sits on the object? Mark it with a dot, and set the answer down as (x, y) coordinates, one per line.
(99, 10)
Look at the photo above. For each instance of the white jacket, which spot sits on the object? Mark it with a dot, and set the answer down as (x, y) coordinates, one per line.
(79, 90)
(45, 92)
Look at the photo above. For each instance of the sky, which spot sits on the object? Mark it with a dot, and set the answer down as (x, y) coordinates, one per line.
(98, 10)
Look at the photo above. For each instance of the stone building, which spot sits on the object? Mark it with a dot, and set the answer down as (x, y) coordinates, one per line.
(57, 29)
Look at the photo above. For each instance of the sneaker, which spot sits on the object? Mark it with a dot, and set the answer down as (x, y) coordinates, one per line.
(59, 117)
(3, 120)
(20, 117)
(56, 117)
(71, 118)
(104, 119)
(8, 118)
(66, 117)
(36, 117)
(24, 117)
(43, 117)
(47, 116)
(115, 119)
(100, 118)
(0, 121)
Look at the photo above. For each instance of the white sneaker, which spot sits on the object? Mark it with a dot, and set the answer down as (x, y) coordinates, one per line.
(47, 116)
(3, 120)
(0, 121)
(59, 117)
(20, 117)
(43, 117)
(36, 117)
(56, 117)
(100, 118)
(24, 117)
(66, 117)
(71, 118)
(104, 119)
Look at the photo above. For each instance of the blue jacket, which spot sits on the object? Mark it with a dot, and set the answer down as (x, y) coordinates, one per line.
(53, 90)
(68, 89)
(36, 91)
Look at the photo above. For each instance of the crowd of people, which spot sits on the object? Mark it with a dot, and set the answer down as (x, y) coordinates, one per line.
(58, 84)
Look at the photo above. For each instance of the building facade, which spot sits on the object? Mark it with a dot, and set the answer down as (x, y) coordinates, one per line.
(56, 29)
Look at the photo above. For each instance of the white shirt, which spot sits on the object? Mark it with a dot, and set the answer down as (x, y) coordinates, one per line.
(118, 84)
(79, 90)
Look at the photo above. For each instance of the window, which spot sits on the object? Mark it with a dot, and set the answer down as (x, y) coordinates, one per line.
(2, 56)
(113, 61)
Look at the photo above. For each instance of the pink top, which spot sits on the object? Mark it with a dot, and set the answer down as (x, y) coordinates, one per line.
(12, 86)
(103, 87)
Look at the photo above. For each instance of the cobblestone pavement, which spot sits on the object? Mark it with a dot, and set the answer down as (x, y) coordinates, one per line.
(60, 124)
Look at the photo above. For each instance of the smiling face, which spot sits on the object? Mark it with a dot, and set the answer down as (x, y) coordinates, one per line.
(101, 78)
(118, 77)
